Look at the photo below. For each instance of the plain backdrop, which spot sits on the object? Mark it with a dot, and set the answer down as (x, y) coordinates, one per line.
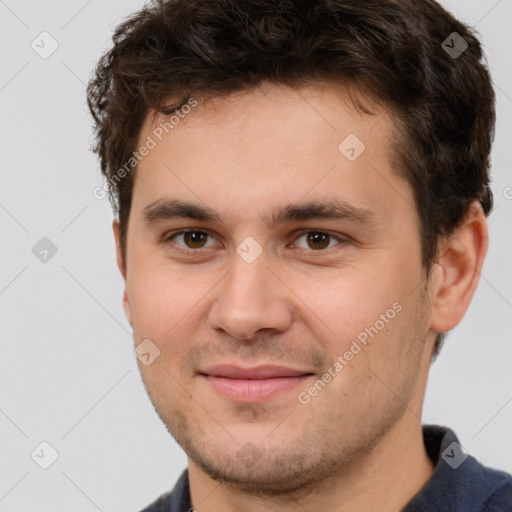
(68, 375)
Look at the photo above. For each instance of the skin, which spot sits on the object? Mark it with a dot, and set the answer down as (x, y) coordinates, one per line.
(357, 444)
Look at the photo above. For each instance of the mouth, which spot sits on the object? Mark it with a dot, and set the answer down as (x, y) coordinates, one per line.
(253, 384)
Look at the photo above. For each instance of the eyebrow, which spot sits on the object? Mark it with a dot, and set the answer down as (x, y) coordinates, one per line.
(167, 209)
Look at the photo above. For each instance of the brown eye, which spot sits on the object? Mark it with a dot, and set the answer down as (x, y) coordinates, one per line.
(192, 239)
(195, 239)
(318, 240)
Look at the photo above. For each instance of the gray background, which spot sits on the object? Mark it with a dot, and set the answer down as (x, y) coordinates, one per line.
(68, 372)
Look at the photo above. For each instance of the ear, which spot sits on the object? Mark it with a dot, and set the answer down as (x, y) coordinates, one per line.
(458, 269)
(116, 228)
(122, 268)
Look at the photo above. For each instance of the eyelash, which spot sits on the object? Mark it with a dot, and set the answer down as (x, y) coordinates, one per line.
(169, 236)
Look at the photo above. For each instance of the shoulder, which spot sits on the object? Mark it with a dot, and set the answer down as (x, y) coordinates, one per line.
(501, 498)
(459, 483)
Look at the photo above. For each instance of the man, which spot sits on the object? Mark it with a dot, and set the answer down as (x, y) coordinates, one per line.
(301, 190)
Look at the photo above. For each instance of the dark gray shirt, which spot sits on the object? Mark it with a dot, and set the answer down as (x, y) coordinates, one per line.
(459, 482)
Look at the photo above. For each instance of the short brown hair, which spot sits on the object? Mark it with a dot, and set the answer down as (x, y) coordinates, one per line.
(395, 50)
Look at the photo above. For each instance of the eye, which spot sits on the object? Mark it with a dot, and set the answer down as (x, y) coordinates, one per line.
(318, 241)
(193, 239)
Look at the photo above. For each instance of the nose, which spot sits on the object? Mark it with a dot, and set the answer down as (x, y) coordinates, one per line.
(251, 298)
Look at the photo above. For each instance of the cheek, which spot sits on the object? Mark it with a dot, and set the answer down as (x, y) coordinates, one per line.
(167, 306)
(358, 312)
(341, 303)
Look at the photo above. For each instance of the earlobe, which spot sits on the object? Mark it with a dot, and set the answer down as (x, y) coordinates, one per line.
(461, 259)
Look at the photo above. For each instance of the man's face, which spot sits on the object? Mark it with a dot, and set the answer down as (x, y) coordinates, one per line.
(250, 289)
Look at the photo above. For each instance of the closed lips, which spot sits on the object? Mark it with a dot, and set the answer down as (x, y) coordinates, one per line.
(258, 372)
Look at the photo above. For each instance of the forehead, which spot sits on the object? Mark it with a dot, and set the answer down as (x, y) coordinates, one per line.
(251, 148)
(269, 107)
